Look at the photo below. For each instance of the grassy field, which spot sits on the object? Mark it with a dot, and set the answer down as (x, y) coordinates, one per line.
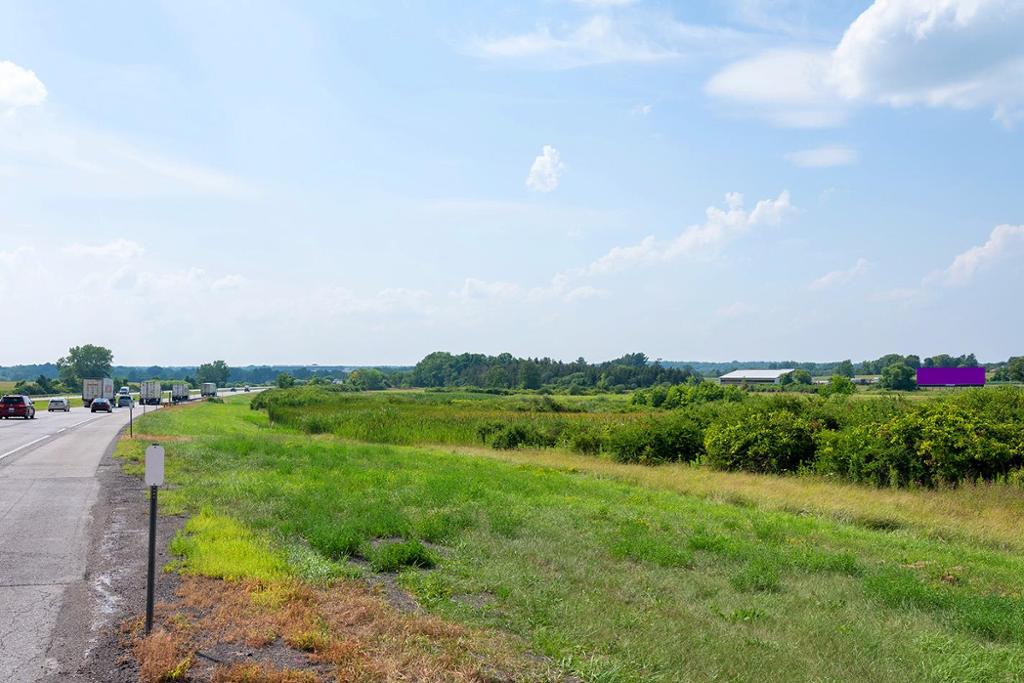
(614, 572)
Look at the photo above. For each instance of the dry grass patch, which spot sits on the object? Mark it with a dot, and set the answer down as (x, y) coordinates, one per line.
(287, 631)
(990, 514)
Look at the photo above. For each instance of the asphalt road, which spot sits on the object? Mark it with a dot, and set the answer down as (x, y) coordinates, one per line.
(48, 486)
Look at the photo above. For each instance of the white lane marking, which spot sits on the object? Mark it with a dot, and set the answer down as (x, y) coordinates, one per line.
(25, 445)
(45, 437)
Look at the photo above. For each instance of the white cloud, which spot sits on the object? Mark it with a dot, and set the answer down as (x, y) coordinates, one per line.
(598, 40)
(229, 282)
(642, 109)
(474, 289)
(120, 249)
(963, 54)
(823, 157)
(19, 87)
(631, 37)
(840, 277)
(605, 3)
(787, 87)
(52, 156)
(734, 310)
(546, 171)
(1004, 241)
(719, 227)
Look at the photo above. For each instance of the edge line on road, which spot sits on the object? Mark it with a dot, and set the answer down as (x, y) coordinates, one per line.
(45, 437)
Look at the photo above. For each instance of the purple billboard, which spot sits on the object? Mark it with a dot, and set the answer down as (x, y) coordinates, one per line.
(950, 377)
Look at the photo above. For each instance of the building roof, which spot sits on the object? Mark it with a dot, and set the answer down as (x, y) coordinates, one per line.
(757, 374)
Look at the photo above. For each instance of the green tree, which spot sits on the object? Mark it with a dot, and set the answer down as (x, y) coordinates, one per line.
(284, 380)
(838, 384)
(797, 377)
(845, 368)
(368, 378)
(1015, 369)
(530, 377)
(82, 362)
(898, 376)
(216, 372)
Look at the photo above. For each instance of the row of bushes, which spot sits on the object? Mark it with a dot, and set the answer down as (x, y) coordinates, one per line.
(885, 441)
(943, 442)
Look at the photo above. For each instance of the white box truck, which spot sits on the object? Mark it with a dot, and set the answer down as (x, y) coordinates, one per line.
(179, 392)
(208, 390)
(151, 393)
(97, 388)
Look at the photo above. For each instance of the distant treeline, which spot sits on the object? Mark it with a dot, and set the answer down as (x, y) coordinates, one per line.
(840, 367)
(250, 374)
(504, 371)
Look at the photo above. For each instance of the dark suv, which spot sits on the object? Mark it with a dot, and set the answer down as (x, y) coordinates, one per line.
(17, 406)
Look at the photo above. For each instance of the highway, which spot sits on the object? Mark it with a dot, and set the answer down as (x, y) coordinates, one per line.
(48, 486)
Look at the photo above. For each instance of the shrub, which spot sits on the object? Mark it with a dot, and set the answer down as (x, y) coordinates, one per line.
(586, 439)
(838, 385)
(390, 557)
(773, 442)
(512, 436)
(657, 440)
(861, 454)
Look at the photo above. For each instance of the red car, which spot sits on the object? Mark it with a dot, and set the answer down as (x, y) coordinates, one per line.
(17, 406)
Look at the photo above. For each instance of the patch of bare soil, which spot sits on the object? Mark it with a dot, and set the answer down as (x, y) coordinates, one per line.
(242, 631)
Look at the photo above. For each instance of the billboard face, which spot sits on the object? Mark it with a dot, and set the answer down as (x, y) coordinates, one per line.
(950, 376)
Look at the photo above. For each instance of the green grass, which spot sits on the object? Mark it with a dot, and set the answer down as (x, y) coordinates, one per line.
(616, 580)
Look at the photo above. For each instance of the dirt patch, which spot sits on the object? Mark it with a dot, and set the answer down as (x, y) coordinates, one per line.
(221, 630)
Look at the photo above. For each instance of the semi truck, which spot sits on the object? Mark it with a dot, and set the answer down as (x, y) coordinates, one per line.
(97, 388)
(151, 393)
(179, 392)
(209, 389)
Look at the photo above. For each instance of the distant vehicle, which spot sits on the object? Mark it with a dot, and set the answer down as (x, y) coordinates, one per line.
(208, 389)
(151, 392)
(101, 405)
(96, 388)
(179, 392)
(125, 401)
(124, 391)
(61, 404)
(17, 405)
(247, 389)
(234, 389)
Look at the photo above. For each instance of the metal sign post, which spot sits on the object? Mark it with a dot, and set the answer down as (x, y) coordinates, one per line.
(131, 422)
(154, 479)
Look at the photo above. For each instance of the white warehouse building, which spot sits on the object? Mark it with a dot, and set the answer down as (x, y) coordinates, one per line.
(755, 376)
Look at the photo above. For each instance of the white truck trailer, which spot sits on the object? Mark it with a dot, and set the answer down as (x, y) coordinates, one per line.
(151, 393)
(97, 388)
(179, 392)
(208, 390)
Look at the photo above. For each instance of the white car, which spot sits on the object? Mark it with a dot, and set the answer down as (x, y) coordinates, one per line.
(61, 404)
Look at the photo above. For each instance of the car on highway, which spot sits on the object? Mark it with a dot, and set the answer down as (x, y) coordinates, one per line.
(101, 405)
(125, 401)
(124, 391)
(58, 404)
(17, 405)
(247, 390)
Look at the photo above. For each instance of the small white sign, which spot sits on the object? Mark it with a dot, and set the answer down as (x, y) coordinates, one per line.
(155, 465)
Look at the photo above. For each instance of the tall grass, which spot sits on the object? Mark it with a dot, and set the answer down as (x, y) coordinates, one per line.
(616, 581)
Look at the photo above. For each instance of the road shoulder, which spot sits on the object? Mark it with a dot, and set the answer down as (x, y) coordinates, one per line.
(87, 640)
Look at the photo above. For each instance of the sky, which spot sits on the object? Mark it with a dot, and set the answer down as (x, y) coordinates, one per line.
(365, 183)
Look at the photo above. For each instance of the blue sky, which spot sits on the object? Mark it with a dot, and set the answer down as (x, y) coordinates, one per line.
(369, 182)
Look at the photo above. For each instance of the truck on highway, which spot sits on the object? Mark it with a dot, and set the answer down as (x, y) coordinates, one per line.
(151, 393)
(179, 392)
(97, 388)
(208, 390)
